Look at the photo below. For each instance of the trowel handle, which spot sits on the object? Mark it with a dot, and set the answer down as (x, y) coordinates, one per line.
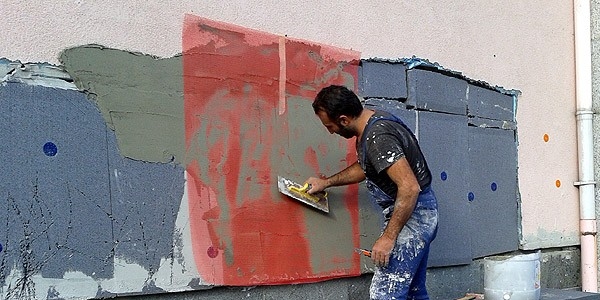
(303, 189)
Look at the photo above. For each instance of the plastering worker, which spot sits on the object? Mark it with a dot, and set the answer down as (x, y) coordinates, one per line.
(397, 175)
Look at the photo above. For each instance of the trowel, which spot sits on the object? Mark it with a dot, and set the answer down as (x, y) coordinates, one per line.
(299, 192)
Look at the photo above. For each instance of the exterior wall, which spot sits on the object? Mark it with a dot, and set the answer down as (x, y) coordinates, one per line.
(528, 47)
(595, 27)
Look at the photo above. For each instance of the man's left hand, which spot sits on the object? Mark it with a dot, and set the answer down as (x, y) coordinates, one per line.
(381, 251)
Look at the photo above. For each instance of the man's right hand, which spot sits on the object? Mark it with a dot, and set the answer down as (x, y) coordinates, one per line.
(351, 174)
(317, 184)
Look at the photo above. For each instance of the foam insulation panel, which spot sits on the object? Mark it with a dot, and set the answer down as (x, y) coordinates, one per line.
(433, 91)
(382, 80)
(443, 140)
(492, 190)
(490, 104)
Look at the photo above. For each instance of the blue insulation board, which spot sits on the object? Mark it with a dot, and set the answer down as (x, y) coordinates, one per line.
(382, 80)
(490, 104)
(70, 197)
(54, 184)
(492, 194)
(433, 91)
(145, 200)
(443, 140)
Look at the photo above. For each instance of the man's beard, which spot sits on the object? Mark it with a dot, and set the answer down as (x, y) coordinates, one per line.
(346, 132)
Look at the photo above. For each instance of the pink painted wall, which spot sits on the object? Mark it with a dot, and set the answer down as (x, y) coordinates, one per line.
(238, 85)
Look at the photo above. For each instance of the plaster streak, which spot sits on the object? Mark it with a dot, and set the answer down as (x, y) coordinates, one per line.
(176, 272)
(282, 71)
(76, 285)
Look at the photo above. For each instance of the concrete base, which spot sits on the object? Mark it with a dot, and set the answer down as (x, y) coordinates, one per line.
(559, 271)
(555, 294)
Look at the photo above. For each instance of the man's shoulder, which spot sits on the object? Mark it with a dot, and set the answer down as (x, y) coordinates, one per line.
(381, 116)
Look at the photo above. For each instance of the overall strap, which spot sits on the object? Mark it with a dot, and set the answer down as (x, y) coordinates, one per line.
(372, 121)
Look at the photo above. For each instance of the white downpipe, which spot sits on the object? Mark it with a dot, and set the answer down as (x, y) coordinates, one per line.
(586, 183)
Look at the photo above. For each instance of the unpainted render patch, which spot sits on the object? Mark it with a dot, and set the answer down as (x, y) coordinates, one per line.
(41, 74)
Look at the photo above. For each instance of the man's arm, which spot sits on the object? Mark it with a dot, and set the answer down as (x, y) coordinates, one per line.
(406, 199)
(349, 175)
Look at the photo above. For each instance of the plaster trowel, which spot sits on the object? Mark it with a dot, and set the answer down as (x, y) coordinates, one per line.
(299, 192)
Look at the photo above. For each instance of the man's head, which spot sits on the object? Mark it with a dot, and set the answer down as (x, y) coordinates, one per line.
(337, 107)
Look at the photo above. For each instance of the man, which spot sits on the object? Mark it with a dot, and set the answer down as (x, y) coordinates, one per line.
(390, 159)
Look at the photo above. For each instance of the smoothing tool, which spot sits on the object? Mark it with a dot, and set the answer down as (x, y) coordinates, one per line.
(299, 192)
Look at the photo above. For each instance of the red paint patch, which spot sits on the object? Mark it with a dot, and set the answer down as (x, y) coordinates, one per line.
(235, 131)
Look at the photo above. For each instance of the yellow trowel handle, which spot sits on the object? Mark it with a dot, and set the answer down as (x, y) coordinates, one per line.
(303, 189)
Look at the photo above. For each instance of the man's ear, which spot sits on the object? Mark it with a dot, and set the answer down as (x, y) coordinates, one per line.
(344, 120)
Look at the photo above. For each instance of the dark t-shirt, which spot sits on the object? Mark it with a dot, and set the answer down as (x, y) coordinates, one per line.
(384, 142)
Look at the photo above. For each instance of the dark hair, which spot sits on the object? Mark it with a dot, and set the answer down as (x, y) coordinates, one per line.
(337, 100)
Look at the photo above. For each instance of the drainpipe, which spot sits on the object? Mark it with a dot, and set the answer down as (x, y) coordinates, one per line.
(586, 183)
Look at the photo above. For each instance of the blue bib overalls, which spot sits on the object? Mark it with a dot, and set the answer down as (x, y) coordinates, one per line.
(404, 276)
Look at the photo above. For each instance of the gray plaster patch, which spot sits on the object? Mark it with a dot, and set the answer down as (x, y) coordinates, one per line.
(140, 97)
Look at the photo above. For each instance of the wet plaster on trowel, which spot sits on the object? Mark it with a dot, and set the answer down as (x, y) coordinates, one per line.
(140, 97)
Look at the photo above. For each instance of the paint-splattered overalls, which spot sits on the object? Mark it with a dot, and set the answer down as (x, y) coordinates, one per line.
(404, 277)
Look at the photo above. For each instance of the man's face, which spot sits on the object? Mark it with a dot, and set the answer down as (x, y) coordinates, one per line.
(335, 127)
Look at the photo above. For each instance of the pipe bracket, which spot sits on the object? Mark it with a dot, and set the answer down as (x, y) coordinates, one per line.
(584, 112)
(580, 183)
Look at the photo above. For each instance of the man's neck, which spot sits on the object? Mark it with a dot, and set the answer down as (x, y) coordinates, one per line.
(361, 122)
